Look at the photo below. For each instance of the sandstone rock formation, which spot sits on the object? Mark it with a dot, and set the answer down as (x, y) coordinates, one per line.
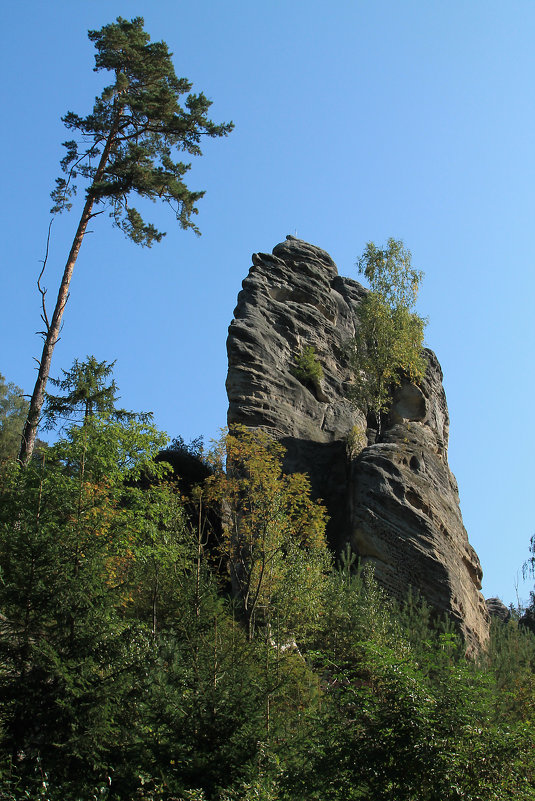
(498, 609)
(394, 499)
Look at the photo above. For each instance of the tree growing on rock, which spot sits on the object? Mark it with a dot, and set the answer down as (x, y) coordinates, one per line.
(125, 146)
(389, 340)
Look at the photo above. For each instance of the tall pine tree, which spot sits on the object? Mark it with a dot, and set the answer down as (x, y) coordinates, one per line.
(125, 145)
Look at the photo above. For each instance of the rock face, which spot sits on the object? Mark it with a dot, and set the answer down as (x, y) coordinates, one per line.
(498, 609)
(394, 500)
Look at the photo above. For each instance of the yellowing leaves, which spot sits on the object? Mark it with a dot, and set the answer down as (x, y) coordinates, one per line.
(274, 533)
(389, 339)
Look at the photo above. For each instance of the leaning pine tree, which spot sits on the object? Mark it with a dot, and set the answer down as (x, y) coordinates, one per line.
(126, 145)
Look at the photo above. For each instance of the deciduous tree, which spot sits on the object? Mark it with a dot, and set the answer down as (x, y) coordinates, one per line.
(13, 411)
(274, 534)
(389, 340)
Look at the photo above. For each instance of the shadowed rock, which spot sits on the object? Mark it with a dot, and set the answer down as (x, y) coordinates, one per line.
(394, 499)
(498, 609)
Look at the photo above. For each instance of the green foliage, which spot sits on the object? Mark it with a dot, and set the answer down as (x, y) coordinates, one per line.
(85, 394)
(137, 122)
(356, 440)
(402, 721)
(389, 273)
(68, 529)
(129, 669)
(511, 659)
(274, 533)
(307, 367)
(389, 340)
(13, 410)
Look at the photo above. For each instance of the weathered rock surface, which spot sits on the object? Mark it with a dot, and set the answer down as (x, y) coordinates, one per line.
(498, 609)
(394, 500)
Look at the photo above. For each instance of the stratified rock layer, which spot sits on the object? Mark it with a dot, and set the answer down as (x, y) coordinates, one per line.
(498, 609)
(394, 500)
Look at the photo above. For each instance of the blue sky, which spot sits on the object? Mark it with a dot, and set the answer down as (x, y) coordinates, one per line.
(355, 121)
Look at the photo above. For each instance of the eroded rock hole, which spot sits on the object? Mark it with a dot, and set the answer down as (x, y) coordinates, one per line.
(415, 464)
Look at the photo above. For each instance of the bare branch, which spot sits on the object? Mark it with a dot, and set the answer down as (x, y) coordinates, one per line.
(42, 292)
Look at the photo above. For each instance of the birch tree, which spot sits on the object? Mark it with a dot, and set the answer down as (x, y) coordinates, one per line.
(389, 340)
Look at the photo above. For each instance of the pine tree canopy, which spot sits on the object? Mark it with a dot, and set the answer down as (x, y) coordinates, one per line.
(135, 126)
(87, 389)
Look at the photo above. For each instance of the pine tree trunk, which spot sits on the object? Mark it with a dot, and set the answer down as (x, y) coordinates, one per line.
(53, 330)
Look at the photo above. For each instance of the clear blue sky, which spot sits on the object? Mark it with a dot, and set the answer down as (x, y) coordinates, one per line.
(355, 120)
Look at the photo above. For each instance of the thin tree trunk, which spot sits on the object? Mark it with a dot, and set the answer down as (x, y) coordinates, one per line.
(198, 563)
(155, 604)
(53, 330)
(268, 686)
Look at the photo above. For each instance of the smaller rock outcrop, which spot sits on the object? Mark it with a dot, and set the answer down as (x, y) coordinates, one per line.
(498, 609)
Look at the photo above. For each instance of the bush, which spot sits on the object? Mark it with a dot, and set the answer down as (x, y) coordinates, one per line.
(307, 367)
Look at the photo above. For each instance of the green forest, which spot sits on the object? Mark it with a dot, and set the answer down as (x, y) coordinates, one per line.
(173, 624)
(174, 627)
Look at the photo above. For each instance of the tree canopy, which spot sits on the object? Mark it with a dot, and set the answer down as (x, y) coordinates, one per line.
(135, 125)
(129, 667)
(389, 338)
(273, 533)
(87, 389)
(13, 411)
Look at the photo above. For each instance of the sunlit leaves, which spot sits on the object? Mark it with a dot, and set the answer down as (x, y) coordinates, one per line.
(13, 410)
(274, 533)
(389, 339)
